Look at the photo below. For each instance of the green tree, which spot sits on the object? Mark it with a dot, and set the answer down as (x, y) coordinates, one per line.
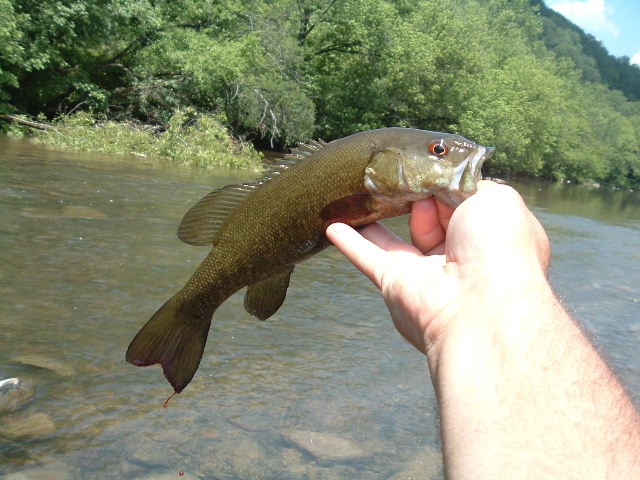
(72, 51)
(597, 141)
(11, 51)
(240, 58)
(510, 73)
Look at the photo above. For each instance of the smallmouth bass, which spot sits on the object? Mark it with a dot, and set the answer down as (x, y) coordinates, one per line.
(260, 230)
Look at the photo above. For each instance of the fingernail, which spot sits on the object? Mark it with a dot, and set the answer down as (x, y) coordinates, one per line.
(338, 228)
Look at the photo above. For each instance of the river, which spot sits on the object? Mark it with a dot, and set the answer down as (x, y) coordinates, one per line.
(325, 388)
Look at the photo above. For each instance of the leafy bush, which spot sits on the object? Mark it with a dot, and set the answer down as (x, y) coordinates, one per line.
(189, 137)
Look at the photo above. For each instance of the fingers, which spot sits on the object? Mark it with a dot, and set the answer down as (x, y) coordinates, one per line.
(444, 214)
(385, 238)
(369, 258)
(427, 231)
(530, 228)
(496, 226)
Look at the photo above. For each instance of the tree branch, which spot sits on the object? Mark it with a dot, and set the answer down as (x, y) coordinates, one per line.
(27, 123)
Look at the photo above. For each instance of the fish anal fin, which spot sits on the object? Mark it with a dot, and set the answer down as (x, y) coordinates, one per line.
(264, 298)
(175, 339)
(362, 209)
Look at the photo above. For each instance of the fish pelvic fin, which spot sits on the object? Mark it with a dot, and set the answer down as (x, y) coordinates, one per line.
(264, 298)
(175, 338)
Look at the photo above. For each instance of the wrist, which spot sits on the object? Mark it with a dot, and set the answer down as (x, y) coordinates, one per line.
(521, 389)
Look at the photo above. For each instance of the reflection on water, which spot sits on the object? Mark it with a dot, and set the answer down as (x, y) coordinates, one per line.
(89, 252)
(617, 207)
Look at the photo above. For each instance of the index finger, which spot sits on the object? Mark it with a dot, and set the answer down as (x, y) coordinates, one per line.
(427, 231)
(368, 257)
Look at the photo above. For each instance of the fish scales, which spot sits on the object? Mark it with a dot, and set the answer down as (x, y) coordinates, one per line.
(285, 225)
(260, 231)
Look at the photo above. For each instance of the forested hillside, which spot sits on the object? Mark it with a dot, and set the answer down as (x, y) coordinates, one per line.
(588, 54)
(281, 71)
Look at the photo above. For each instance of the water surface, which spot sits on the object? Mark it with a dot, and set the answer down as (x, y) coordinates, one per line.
(89, 252)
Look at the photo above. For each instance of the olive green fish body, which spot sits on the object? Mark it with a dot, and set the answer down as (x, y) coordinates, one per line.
(260, 230)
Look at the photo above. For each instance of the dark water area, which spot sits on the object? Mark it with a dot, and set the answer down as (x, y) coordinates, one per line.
(325, 388)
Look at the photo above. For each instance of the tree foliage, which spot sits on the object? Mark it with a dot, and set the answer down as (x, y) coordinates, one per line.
(589, 55)
(510, 73)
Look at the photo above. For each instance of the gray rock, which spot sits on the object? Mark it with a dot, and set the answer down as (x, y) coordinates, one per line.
(174, 475)
(68, 211)
(53, 471)
(42, 361)
(147, 456)
(27, 427)
(324, 447)
(238, 456)
(152, 451)
(426, 466)
(15, 393)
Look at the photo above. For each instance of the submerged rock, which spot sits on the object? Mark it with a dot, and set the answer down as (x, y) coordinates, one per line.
(36, 426)
(172, 475)
(42, 361)
(15, 393)
(238, 456)
(152, 451)
(147, 456)
(426, 466)
(53, 471)
(324, 447)
(68, 211)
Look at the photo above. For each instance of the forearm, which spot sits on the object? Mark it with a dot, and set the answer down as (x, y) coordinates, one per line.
(523, 394)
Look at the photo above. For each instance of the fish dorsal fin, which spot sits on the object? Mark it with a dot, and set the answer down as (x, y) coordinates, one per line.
(202, 222)
(303, 150)
(264, 298)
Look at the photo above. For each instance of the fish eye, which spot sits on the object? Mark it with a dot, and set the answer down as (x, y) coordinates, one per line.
(438, 148)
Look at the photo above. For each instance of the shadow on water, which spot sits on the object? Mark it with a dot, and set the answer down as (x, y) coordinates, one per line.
(324, 389)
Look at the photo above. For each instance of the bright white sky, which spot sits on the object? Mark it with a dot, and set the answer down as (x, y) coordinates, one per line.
(616, 23)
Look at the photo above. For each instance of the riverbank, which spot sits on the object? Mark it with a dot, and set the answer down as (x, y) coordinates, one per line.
(187, 138)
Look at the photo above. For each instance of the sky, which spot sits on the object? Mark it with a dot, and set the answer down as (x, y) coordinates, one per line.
(616, 23)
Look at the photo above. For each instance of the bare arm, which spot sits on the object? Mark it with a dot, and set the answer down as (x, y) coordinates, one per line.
(522, 393)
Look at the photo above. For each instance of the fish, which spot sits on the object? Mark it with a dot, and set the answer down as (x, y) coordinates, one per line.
(260, 230)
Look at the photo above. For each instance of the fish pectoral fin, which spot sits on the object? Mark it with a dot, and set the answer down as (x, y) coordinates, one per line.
(350, 209)
(264, 298)
(174, 338)
(362, 209)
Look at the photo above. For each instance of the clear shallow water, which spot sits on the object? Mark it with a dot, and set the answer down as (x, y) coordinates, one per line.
(89, 252)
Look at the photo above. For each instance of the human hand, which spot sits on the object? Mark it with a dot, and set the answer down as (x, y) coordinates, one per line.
(460, 262)
(513, 374)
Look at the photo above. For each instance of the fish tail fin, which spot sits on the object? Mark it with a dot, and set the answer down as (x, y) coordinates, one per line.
(175, 338)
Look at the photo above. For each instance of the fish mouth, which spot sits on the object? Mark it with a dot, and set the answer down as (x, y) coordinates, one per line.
(467, 178)
(476, 162)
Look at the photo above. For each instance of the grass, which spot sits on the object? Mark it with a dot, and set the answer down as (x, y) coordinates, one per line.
(188, 138)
